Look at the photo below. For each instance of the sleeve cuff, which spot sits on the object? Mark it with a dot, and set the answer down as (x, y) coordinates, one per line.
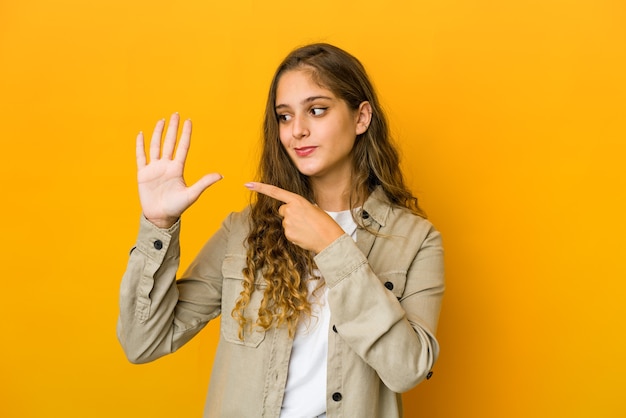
(155, 242)
(339, 260)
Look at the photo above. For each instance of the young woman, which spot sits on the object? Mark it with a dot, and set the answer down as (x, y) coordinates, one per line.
(329, 284)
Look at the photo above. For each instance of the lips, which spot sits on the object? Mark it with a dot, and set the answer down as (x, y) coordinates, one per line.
(304, 151)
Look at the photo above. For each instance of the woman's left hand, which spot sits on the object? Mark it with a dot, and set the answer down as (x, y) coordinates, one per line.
(305, 224)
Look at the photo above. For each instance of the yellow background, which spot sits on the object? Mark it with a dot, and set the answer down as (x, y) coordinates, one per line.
(510, 116)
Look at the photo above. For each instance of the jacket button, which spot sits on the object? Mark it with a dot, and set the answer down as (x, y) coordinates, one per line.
(335, 329)
(429, 375)
(365, 215)
(337, 396)
(158, 244)
(389, 285)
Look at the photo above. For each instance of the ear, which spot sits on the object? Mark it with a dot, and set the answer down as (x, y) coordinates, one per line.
(364, 117)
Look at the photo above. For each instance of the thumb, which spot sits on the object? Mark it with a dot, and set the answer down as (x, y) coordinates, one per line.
(196, 189)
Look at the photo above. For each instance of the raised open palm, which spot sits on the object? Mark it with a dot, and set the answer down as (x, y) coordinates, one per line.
(163, 193)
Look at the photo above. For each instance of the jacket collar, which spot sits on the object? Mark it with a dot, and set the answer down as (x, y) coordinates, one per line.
(377, 207)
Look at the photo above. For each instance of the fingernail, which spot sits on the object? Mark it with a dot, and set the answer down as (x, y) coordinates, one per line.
(249, 186)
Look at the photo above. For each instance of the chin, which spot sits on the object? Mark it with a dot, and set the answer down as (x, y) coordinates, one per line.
(308, 171)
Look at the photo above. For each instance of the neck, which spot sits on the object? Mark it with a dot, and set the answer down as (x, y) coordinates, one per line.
(332, 196)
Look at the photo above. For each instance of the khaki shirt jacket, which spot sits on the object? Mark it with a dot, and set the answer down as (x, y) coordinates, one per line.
(385, 294)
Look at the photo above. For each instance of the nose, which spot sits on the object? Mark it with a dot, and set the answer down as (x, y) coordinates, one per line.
(299, 128)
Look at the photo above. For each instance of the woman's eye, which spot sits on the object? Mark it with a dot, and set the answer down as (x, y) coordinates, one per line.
(318, 111)
(284, 118)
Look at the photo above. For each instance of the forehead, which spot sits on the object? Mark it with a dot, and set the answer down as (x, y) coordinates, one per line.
(297, 85)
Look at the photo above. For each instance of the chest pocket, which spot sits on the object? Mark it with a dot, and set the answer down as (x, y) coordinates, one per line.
(232, 267)
(394, 281)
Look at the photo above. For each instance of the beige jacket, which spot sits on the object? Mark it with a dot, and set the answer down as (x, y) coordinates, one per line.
(385, 294)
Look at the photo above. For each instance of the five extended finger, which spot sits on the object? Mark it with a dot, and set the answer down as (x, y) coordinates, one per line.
(184, 142)
(196, 189)
(155, 142)
(140, 151)
(170, 137)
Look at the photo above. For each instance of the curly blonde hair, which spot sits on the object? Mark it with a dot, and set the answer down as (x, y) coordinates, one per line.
(283, 266)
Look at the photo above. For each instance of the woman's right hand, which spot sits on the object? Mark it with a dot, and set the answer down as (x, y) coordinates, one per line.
(163, 193)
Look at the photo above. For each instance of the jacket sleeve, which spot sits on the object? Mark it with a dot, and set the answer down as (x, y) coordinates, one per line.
(159, 314)
(393, 335)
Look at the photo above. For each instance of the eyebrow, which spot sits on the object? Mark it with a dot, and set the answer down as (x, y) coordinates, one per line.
(305, 101)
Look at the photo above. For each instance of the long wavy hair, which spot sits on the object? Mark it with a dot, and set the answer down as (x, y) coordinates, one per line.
(282, 266)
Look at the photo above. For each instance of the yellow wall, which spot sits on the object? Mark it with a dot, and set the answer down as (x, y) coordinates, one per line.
(510, 115)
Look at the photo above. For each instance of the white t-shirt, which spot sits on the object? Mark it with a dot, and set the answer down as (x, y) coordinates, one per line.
(305, 392)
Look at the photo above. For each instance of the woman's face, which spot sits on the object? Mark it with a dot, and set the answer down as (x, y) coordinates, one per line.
(317, 128)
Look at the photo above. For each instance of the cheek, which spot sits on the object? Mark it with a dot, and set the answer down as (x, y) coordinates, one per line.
(283, 136)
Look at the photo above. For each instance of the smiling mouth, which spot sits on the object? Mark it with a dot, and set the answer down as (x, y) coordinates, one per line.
(304, 151)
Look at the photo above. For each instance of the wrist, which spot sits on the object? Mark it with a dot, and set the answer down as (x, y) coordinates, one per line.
(330, 238)
(162, 223)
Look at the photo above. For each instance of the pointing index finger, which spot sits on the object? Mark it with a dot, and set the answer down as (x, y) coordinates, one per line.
(272, 191)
